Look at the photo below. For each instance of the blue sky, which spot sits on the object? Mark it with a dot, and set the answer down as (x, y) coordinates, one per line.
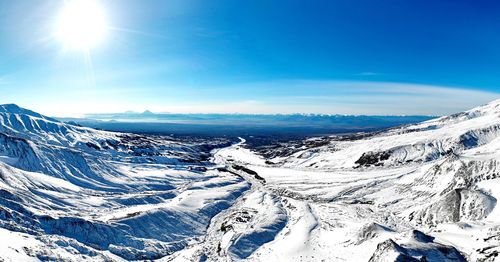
(346, 57)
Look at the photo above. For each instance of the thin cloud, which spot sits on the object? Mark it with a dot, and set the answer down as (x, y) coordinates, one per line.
(352, 97)
(300, 96)
(368, 74)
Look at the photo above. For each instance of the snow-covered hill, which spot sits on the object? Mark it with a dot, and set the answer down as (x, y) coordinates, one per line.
(76, 193)
(423, 192)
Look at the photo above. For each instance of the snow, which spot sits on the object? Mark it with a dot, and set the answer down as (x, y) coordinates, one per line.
(13, 246)
(426, 190)
(103, 195)
(492, 187)
(330, 200)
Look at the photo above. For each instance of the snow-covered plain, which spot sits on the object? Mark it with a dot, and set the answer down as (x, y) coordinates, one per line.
(424, 192)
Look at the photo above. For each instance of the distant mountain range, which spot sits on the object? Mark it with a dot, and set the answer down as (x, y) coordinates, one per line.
(242, 124)
(252, 119)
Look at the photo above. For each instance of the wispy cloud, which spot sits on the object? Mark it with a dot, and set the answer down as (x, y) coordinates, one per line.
(291, 96)
(348, 97)
(368, 73)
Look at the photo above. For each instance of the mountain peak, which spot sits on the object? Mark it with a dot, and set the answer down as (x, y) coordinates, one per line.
(10, 107)
(15, 109)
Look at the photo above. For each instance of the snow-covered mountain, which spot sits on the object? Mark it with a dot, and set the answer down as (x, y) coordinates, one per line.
(74, 193)
(423, 192)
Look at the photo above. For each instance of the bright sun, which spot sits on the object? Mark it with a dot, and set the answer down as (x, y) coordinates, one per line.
(81, 24)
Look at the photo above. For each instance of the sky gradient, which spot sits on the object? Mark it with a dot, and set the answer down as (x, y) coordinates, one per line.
(388, 57)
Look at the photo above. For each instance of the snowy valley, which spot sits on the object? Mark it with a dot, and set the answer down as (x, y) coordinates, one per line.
(421, 192)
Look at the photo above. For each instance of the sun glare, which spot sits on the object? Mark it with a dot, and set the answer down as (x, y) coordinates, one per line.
(81, 24)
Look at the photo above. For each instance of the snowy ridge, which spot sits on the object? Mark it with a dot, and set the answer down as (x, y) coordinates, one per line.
(81, 193)
(23, 123)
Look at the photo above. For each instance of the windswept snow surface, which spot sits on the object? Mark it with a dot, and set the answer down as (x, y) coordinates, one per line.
(424, 192)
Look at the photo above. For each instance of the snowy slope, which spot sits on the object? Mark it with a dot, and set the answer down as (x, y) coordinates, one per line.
(76, 193)
(423, 192)
(419, 143)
